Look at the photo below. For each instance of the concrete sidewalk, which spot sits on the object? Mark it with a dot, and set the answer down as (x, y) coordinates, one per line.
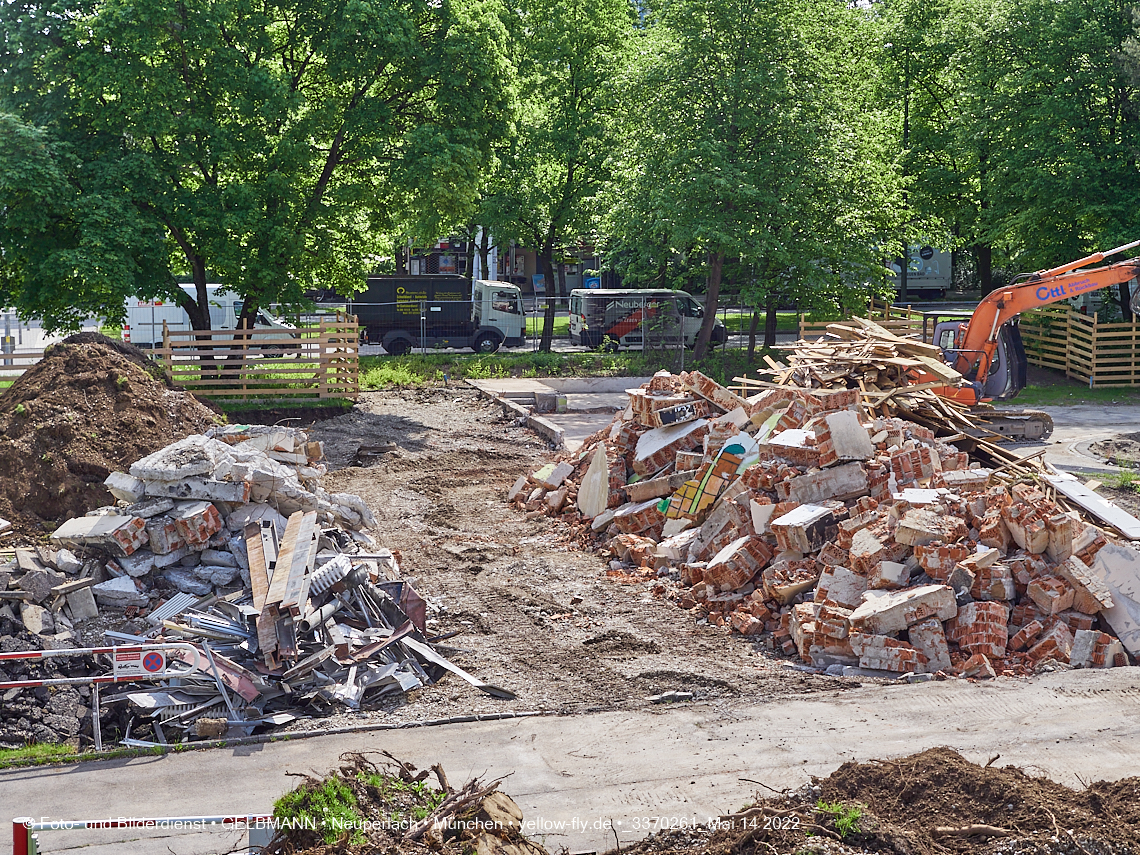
(572, 775)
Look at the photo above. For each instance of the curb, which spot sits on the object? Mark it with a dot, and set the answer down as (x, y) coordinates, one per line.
(544, 427)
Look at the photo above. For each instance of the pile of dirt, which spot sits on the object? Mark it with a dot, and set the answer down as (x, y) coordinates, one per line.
(933, 802)
(1123, 449)
(91, 406)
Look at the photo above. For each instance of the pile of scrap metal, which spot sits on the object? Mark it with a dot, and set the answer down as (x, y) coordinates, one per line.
(847, 538)
(287, 613)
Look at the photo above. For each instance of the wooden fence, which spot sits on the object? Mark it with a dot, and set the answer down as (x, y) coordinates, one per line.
(1082, 346)
(900, 321)
(318, 362)
(12, 365)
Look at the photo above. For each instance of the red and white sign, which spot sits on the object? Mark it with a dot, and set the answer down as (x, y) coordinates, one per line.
(138, 663)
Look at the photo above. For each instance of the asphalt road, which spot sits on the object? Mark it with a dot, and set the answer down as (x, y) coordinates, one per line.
(572, 776)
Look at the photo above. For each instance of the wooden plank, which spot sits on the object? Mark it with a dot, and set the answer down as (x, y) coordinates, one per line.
(258, 565)
(294, 562)
(279, 583)
(1116, 517)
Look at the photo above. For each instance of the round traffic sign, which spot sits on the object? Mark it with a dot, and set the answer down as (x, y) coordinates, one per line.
(153, 662)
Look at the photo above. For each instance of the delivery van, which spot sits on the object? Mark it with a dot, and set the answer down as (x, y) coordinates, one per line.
(637, 319)
(143, 324)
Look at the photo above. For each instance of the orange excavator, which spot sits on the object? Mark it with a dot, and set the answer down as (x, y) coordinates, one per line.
(987, 350)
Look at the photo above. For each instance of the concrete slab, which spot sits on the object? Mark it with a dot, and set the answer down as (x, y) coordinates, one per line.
(515, 388)
(570, 775)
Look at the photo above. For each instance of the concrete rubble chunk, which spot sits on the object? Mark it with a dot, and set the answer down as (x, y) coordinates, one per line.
(121, 535)
(194, 455)
(1118, 569)
(119, 593)
(67, 562)
(187, 581)
(36, 619)
(124, 487)
(82, 605)
(885, 612)
(847, 481)
(38, 584)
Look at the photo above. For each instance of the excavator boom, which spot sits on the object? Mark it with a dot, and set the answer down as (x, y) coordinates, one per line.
(975, 351)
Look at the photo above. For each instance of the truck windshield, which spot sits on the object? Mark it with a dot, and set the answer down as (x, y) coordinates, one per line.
(505, 301)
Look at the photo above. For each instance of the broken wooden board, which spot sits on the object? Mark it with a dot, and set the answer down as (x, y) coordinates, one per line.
(1100, 508)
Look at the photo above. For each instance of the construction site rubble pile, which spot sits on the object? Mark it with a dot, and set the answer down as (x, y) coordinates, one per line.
(851, 539)
(225, 541)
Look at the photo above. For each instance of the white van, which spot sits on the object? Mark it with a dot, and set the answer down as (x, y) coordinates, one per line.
(637, 318)
(143, 324)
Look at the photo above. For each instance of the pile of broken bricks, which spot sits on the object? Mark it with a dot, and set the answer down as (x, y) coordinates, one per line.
(228, 542)
(857, 542)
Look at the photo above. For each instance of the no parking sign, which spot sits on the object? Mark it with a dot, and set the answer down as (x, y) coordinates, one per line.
(132, 662)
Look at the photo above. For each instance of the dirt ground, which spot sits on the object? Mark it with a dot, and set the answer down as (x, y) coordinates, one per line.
(1123, 449)
(913, 806)
(533, 613)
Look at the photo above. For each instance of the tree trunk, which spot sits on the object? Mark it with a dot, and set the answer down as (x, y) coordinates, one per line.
(752, 335)
(984, 263)
(544, 261)
(1125, 307)
(716, 267)
(770, 320)
(470, 241)
(198, 309)
(485, 252)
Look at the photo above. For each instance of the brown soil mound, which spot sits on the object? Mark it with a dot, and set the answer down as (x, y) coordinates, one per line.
(91, 406)
(908, 806)
(1123, 449)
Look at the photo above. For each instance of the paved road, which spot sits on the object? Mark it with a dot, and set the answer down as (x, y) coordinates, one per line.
(681, 763)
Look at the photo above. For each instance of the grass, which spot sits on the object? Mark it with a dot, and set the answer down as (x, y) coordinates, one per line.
(739, 322)
(237, 407)
(845, 818)
(1065, 395)
(1126, 480)
(413, 370)
(329, 805)
(35, 754)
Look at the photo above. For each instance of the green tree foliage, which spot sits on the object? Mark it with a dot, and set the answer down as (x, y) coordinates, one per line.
(1022, 123)
(754, 140)
(544, 196)
(270, 144)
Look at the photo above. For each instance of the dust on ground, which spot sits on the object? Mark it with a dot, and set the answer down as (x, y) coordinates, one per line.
(91, 406)
(533, 613)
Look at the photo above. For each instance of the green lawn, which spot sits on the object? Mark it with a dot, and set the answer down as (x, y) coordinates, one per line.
(1064, 394)
(382, 372)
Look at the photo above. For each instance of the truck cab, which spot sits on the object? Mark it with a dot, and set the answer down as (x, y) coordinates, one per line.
(497, 315)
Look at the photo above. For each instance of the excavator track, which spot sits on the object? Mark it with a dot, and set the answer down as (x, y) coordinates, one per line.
(1023, 425)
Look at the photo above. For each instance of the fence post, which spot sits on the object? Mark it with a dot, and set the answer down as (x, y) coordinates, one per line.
(323, 361)
(21, 836)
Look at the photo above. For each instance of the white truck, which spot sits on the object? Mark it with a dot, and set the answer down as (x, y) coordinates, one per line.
(143, 324)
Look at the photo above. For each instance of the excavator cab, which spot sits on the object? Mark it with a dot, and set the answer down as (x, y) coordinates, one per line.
(1134, 303)
(1004, 377)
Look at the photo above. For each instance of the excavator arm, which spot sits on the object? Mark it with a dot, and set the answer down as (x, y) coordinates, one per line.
(976, 349)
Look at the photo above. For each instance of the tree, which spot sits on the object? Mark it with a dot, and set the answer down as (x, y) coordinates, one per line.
(270, 144)
(544, 196)
(756, 142)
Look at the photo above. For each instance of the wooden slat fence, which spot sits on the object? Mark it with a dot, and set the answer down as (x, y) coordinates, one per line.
(900, 321)
(1086, 349)
(319, 362)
